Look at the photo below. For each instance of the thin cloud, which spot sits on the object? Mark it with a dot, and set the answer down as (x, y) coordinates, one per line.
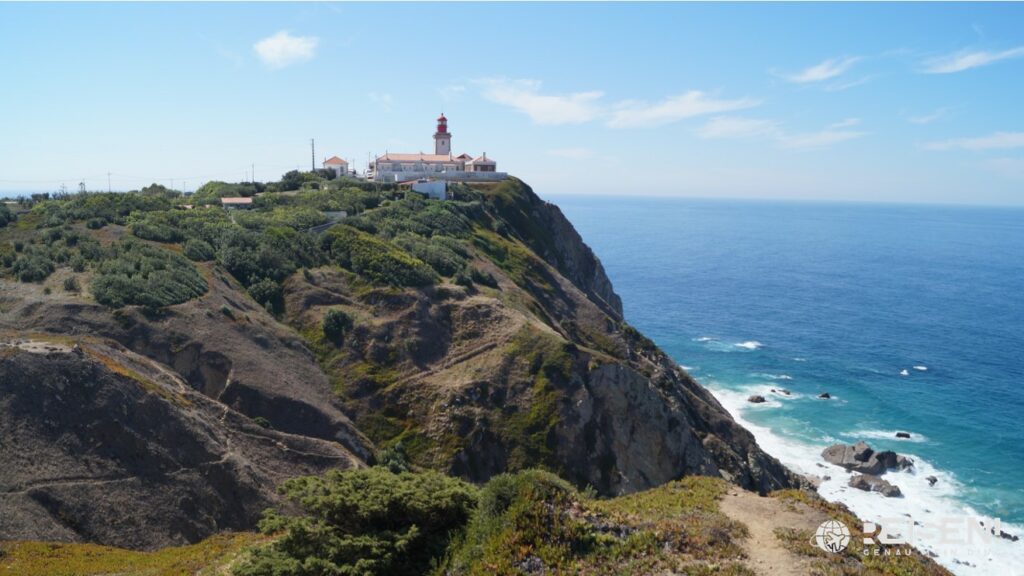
(929, 118)
(525, 96)
(840, 86)
(571, 153)
(634, 114)
(832, 134)
(384, 100)
(283, 49)
(965, 60)
(725, 127)
(996, 141)
(844, 124)
(831, 68)
(451, 92)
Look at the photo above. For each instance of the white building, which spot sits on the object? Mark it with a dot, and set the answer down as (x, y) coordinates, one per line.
(437, 189)
(338, 165)
(441, 165)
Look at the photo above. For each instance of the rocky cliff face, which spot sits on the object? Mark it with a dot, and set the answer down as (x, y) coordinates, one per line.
(103, 445)
(539, 371)
(189, 416)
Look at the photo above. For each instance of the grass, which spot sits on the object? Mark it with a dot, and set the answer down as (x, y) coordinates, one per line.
(533, 519)
(207, 558)
(852, 561)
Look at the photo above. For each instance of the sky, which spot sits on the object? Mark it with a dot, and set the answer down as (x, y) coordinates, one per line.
(853, 102)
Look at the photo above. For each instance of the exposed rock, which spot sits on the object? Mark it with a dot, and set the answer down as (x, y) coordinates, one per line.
(756, 399)
(903, 435)
(861, 458)
(782, 391)
(932, 480)
(872, 483)
(824, 396)
(102, 445)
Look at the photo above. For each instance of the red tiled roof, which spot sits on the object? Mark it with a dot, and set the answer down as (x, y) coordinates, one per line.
(236, 200)
(334, 160)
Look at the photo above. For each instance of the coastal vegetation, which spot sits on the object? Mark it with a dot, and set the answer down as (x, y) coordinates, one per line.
(471, 352)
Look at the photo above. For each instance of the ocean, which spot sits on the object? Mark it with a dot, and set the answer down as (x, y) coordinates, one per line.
(910, 316)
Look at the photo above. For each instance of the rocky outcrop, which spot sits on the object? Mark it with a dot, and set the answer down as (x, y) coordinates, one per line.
(872, 483)
(861, 458)
(103, 445)
(756, 399)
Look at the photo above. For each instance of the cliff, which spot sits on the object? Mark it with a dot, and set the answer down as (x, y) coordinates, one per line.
(501, 347)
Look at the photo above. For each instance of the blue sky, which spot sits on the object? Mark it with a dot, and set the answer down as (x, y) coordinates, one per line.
(874, 102)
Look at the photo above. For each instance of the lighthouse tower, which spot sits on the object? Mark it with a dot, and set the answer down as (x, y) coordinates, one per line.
(442, 139)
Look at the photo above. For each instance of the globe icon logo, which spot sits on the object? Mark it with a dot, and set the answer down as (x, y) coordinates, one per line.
(832, 536)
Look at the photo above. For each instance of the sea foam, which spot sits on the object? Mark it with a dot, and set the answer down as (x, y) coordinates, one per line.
(749, 345)
(928, 505)
(884, 435)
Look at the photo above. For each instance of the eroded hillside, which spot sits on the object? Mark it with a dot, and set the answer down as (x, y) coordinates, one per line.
(479, 333)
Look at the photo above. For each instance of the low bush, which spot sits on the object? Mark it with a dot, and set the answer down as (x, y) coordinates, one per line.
(6, 216)
(139, 274)
(198, 250)
(34, 265)
(363, 522)
(375, 258)
(267, 293)
(335, 324)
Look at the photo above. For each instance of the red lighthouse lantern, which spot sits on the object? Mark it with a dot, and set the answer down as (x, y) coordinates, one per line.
(442, 124)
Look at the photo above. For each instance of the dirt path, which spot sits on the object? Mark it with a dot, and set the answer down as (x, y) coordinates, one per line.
(767, 556)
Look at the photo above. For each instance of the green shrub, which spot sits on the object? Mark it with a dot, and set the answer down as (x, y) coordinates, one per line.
(377, 259)
(95, 223)
(335, 324)
(394, 459)
(5, 215)
(363, 523)
(267, 293)
(485, 278)
(156, 232)
(139, 274)
(198, 250)
(71, 284)
(34, 265)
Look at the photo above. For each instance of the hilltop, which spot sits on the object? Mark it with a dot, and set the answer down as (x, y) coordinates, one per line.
(167, 364)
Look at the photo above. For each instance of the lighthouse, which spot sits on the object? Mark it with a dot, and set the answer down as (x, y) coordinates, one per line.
(442, 139)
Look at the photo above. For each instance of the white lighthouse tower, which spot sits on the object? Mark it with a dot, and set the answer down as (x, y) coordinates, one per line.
(442, 139)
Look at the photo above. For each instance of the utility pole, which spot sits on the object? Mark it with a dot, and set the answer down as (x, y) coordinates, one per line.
(312, 157)
(108, 182)
(253, 173)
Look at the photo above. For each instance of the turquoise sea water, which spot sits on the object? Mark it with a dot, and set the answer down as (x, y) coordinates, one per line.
(912, 317)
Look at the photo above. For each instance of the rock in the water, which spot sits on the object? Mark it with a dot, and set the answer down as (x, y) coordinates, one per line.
(824, 396)
(872, 483)
(903, 435)
(932, 480)
(782, 391)
(756, 399)
(861, 458)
